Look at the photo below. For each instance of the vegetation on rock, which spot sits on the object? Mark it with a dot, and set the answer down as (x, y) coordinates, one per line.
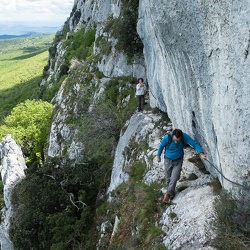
(232, 220)
(124, 30)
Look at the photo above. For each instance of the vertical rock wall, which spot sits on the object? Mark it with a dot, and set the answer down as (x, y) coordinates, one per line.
(90, 13)
(12, 171)
(197, 63)
(96, 13)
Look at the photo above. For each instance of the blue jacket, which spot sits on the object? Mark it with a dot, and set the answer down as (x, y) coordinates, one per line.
(175, 150)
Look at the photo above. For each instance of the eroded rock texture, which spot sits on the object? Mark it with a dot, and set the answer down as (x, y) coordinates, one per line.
(197, 62)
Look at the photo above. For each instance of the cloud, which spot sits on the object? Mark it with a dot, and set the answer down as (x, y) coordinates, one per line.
(35, 12)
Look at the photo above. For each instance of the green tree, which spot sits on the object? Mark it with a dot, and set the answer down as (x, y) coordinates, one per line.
(124, 29)
(28, 124)
(53, 207)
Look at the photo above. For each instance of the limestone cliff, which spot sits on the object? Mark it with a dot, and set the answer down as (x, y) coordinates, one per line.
(196, 57)
(197, 62)
(12, 172)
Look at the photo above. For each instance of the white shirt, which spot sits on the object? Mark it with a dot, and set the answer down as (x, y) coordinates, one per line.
(140, 90)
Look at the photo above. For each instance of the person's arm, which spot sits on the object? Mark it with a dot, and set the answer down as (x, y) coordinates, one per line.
(188, 140)
(161, 147)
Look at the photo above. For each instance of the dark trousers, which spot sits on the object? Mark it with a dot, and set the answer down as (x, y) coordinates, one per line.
(140, 99)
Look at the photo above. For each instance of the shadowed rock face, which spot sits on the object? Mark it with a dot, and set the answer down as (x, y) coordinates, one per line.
(12, 171)
(196, 55)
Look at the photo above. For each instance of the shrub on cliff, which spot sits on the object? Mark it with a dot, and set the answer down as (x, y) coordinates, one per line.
(124, 30)
(232, 221)
(52, 207)
(108, 115)
(79, 44)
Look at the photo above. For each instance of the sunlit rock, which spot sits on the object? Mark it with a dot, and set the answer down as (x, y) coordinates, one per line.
(197, 61)
(12, 172)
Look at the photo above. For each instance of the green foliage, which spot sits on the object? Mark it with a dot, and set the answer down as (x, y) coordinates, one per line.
(63, 70)
(137, 207)
(216, 185)
(28, 124)
(99, 74)
(100, 128)
(68, 231)
(21, 64)
(133, 149)
(79, 45)
(124, 29)
(60, 35)
(32, 205)
(232, 221)
(53, 207)
(104, 45)
(137, 170)
(48, 93)
(172, 215)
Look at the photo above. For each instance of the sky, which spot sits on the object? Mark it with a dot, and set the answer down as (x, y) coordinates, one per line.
(17, 14)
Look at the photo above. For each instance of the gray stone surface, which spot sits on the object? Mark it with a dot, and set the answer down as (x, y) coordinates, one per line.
(197, 68)
(197, 64)
(138, 128)
(12, 171)
(185, 219)
(96, 13)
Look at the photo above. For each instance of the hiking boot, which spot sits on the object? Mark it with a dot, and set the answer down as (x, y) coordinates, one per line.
(166, 198)
(172, 196)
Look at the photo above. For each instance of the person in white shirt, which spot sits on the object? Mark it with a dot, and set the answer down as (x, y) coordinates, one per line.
(140, 93)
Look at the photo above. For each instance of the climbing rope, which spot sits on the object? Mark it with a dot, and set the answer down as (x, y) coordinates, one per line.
(223, 176)
(235, 183)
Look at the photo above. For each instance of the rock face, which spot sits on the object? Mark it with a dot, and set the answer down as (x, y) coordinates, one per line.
(197, 67)
(97, 13)
(12, 171)
(184, 220)
(138, 127)
(112, 65)
(184, 223)
(197, 61)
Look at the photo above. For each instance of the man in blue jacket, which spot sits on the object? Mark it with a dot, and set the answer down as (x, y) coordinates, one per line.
(173, 158)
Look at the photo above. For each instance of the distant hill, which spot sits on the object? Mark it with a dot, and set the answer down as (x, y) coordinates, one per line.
(22, 31)
(6, 36)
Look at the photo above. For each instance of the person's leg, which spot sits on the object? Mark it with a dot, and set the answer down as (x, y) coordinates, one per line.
(168, 169)
(139, 102)
(168, 173)
(175, 176)
(142, 102)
